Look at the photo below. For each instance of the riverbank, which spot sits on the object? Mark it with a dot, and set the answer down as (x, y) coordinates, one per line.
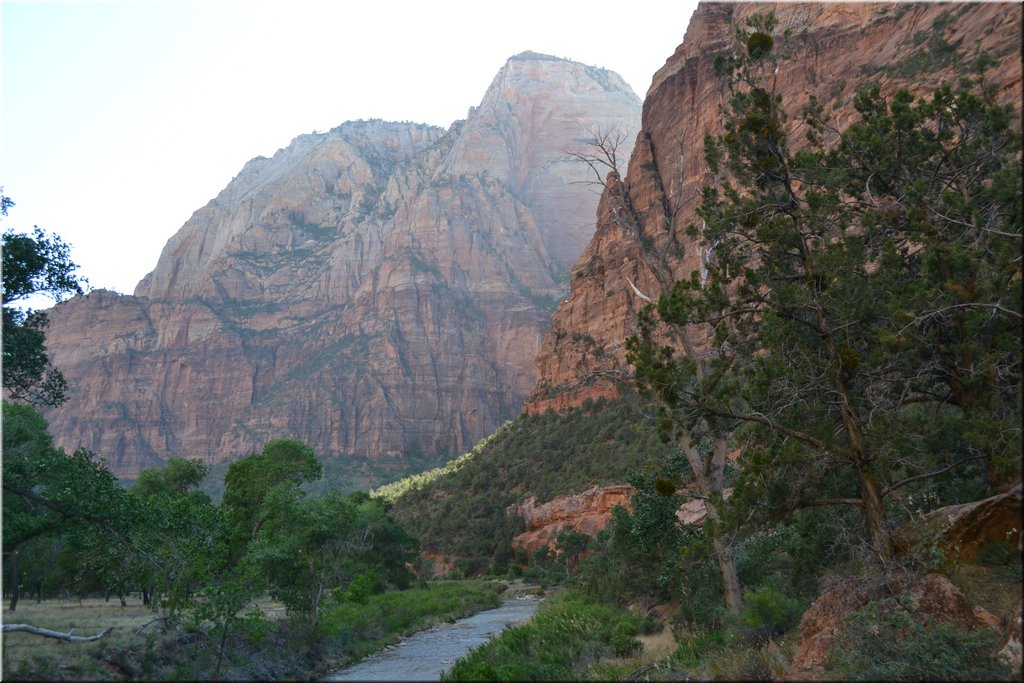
(425, 655)
(263, 645)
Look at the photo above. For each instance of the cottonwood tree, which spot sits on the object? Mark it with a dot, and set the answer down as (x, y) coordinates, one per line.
(863, 302)
(36, 264)
(283, 463)
(50, 495)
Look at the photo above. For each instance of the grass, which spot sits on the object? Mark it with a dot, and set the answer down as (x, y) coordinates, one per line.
(278, 648)
(996, 587)
(86, 618)
(568, 636)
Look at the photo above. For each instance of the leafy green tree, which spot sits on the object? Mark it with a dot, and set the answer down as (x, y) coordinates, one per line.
(50, 494)
(179, 525)
(284, 463)
(307, 547)
(862, 294)
(36, 264)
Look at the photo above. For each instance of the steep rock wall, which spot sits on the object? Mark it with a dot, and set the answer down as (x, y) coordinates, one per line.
(833, 49)
(377, 290)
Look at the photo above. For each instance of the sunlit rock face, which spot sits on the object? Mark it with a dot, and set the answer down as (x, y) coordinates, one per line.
(586, 513)
(376, 290)
(834, 49)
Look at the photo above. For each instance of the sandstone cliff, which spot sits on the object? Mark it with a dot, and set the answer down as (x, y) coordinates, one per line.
(377, 290)
(834, 48)
(585, 513)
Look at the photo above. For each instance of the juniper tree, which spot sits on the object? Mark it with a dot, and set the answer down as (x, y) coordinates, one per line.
(862, 307)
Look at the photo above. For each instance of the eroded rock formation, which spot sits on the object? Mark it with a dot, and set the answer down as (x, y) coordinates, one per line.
(377, 290)
(833, 49)
(586, 513)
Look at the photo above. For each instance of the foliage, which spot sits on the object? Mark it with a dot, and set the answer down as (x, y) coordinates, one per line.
(768, 608)
(460, 509)
(859, 299)
(567, 635)
(51, 498)
(312, 548)
(283, 464)
(36, 264)
(360, 627)
(639, 552)
(883, 641)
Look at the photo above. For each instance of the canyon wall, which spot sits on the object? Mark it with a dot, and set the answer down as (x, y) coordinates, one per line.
(378, 290)
(829, 51)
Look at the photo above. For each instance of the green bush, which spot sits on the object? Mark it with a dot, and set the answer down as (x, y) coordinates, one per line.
(567, 635)
(882, 641)
(768, 608)
(363, 586)
(623, 642)
(694, 647)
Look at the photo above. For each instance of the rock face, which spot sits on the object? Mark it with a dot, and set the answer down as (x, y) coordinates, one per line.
(836, 48)
(586, 513)
(377, 290)
(965, 528)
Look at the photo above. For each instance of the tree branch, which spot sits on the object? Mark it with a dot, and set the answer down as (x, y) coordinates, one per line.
(825, 502)
(926, 475)
(36, 630)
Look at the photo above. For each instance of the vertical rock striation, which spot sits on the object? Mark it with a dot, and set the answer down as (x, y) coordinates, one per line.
(832, 50)
(378, 290)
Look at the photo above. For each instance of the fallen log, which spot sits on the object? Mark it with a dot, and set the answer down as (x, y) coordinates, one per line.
(36, 630)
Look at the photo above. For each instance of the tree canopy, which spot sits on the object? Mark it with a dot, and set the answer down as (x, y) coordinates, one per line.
(860, 312)
(33, 264)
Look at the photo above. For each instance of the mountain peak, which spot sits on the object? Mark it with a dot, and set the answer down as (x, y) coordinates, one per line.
(377, 290)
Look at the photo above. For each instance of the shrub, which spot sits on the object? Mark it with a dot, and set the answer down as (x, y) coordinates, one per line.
(769, 610)
(363, 586)
(882, 641)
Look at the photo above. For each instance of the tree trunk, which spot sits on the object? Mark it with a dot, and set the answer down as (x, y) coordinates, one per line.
(708, 471)
(220, 650)
(730, 577)
(874, 512)
(15, 580)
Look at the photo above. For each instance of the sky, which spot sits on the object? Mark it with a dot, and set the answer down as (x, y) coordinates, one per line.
(120, 119)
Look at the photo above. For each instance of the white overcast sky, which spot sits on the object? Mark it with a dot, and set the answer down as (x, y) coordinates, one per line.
(119, 119)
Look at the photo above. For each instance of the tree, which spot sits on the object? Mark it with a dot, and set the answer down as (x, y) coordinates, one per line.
(863, 296)
(36, 264)
(50, 494)
(285, 463)
(309, 547)
(179, 525)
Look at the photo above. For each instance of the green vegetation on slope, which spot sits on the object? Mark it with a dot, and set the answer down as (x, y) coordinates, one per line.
(459, 509)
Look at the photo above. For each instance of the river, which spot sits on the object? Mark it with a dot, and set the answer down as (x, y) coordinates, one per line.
(424, 655)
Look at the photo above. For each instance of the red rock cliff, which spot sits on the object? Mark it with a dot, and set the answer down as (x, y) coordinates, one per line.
(376, 290)
(835, 48)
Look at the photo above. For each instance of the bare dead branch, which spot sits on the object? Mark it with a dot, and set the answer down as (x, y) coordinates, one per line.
(47, 633)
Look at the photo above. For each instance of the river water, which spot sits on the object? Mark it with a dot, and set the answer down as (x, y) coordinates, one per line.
(424, 655)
